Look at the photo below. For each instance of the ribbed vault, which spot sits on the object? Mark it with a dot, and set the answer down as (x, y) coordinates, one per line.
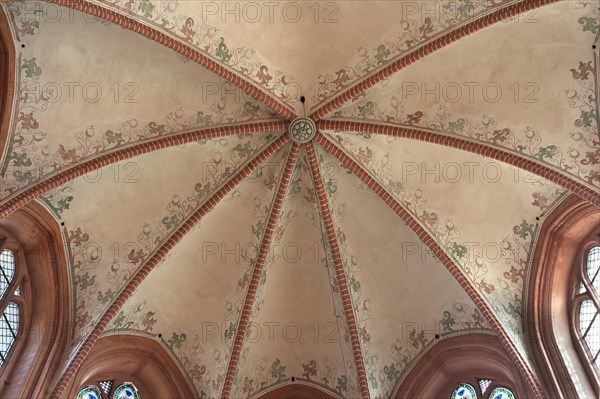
(193, 217)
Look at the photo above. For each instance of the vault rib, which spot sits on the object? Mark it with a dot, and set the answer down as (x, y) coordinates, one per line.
(432, 244)
(11, 204)
(339, 270)
(418, 53)
(183, 49)
(487, 150)
(244, 320)
(157, 257)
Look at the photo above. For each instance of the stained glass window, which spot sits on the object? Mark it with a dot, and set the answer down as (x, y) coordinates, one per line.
(126, 391)
(106, 387)
(484, 383)
(9, 328)
(589, 312)
(7, 270)
(593, 268)
(464, 391)
(89, 392)
(9, 316)
(501, 393)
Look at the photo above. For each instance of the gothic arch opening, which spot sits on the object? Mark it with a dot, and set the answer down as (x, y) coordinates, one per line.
(552, 286)
(39, 348)
(462, 358)
(7, 77)
(296, 391)
(132, 358)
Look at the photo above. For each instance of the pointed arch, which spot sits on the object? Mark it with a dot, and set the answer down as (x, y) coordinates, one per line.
(7, 77)
(45, 306)
(552, 284)
(295, 391)
(462, 358)
(141, 360)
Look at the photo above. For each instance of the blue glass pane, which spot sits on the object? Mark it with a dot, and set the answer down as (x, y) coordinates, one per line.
(501, 393)
(126, 391)
(464, 391)
(90, 392)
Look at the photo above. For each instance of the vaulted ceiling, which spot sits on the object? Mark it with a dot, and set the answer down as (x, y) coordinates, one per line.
(156, 133)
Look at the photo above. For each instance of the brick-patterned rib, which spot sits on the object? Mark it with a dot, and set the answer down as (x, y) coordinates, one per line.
(339, 270)
(428, 240)
(579, 189)
(183, 49)
(258, 269)
(23, 198)
(155, 259)
(362, 86)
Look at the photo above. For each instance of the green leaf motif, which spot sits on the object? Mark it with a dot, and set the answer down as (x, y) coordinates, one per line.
(457, 250)
(586, 119)
(146, 7)
(524, 229)
(263, 277)
(512, 310)
(546, 152)
(23, 177)
(342, 384)
(395, 186)
(31, 68)
(391, 373)
(85, 281)
(222, 52)
(457, 126)
(466, 10)
(106, 298)
(366, 110)
(20, 159)
(589, 24)
(203, 119)
(331, 187)
(230, 332)
(258, 229)
(372, 380)
(118, 323)
(243, 151)
(448, 322)
(354, 284)
(176, 340)
(277, 370)
(381, 54)
(170, 222)
(114, 138)
(63, 205)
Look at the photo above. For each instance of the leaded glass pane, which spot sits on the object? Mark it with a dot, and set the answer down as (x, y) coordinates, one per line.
(592, 336)
(593, 267)
(484, 384)
(126, 391)
(464, 391)
(501, 393)
(9, 327)
(587, 312)
(90, 392)
(106, 387)
(7, 270)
